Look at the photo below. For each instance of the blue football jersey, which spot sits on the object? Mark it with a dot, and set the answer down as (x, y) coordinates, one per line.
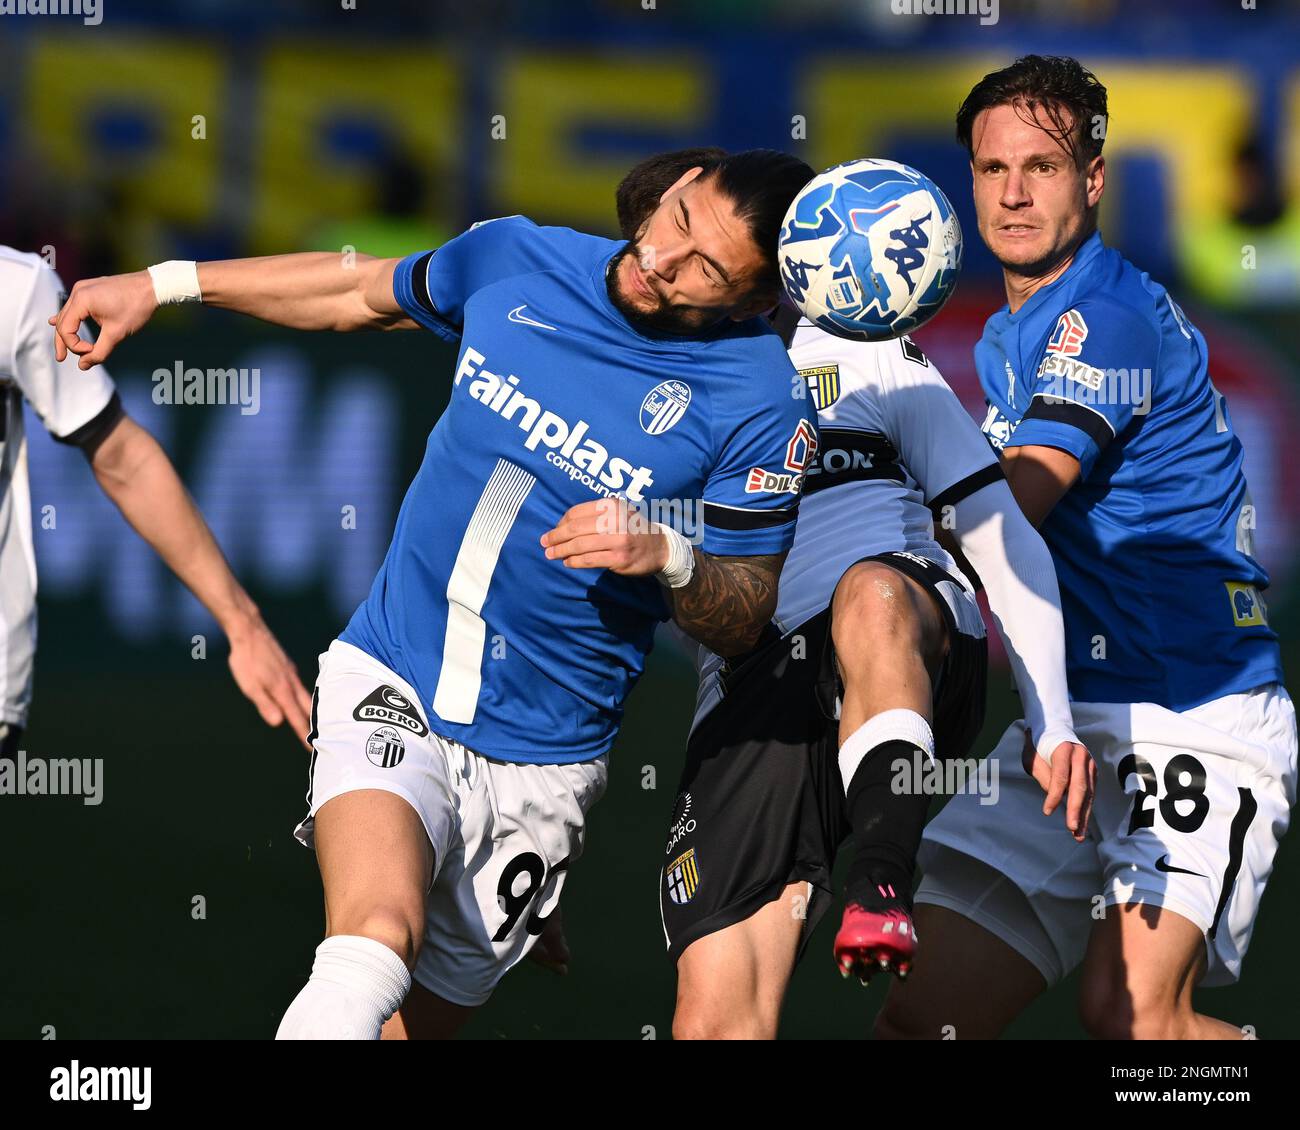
(1153, 546)
(557, 400)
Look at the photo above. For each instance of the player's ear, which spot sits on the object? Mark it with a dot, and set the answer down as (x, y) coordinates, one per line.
(682, 181)
(1095, 180)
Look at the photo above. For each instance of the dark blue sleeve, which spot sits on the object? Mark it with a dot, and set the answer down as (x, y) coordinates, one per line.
(433, 286)
(1095, 375)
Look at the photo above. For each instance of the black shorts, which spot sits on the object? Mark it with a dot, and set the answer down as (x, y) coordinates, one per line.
(761, 803)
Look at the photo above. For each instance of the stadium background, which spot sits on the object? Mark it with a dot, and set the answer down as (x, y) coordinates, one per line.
(229, 127)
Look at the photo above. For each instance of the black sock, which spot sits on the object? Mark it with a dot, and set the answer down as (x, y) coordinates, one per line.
(887, 825)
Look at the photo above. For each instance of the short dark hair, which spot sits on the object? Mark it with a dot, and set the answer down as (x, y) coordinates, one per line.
(638, 193)
(760, 183)
(1070, 95)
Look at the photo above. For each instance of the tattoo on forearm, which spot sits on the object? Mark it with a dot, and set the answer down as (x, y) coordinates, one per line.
(728, 600)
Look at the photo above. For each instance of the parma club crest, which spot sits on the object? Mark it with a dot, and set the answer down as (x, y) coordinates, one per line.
(682, 877)
(823, 385)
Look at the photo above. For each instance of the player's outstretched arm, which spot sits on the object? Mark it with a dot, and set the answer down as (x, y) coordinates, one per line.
(724, 605)
(308, 291)
(139, 478)
(1020, 580)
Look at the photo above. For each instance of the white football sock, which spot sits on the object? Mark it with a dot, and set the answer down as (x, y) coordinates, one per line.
(356, 984)
(887, 726)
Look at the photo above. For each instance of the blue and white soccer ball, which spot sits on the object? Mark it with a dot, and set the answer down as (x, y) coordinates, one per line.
(870, 250)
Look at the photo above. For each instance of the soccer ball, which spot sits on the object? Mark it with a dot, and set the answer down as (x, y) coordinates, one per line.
(870, 250)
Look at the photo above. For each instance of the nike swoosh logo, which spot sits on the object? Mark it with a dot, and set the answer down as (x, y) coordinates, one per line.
(1163, 864)
(516, 316)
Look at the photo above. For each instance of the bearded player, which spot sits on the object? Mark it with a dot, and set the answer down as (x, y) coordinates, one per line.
(1119, 448)
(872, 612)
(461, 720)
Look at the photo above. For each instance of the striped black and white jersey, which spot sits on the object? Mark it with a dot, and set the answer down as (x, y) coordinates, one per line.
(895, 446)
(66, 400)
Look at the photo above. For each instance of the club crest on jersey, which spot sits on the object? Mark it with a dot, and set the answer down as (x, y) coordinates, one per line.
(385, 748)
(387, 704)
(682, 877)
(823, 385)
(1068, 337)
(663, 406)
(1248, 609)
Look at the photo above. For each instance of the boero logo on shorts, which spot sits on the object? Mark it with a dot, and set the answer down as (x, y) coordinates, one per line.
(387, 704)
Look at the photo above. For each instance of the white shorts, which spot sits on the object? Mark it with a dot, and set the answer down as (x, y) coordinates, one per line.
(1188, 814)
(503, 834)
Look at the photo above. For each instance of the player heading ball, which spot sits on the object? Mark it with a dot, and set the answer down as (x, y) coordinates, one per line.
(462, 718)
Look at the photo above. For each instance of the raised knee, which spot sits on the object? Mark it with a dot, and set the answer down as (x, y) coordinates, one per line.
(871, 586)
(874, 594)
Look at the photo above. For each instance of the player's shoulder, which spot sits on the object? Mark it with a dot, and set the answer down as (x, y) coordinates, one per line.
(22, 270)
(518, 245)
(861, 368)
(29, 285)
(526, 232)
(23, 259)
(1113, 301)
(1098, 320)
(751, 351)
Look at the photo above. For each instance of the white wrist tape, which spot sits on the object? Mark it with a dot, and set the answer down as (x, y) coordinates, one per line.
(681, 560)
(176, 281)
